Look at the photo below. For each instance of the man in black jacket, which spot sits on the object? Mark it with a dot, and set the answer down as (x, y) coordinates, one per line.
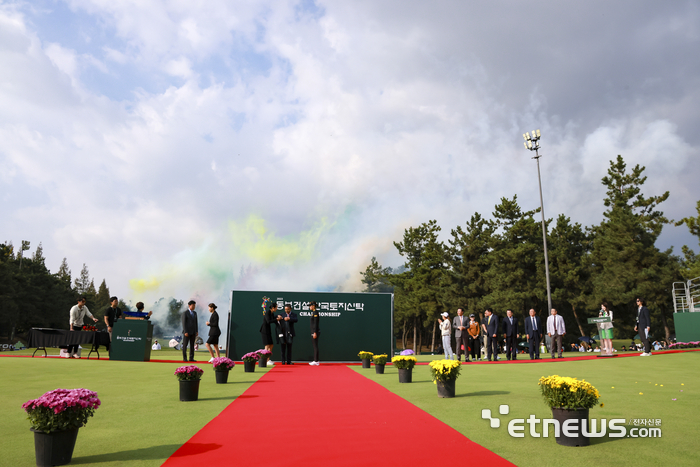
(643, 327)
(510, 332)
(490, 326)
(286, 334)
(112, 314)
(189, 330)
(315, 332)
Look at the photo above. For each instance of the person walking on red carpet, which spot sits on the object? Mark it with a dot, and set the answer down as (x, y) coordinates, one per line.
(510, 332)
(556, 330)
(533, 331)
(315, 332)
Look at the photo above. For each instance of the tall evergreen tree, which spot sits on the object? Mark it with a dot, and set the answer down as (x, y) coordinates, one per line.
(375, 278)
(515, 271)
(625, 261)
(568, 247)
(468, 262)
(82, 282)
(64, 273)
(691, 262)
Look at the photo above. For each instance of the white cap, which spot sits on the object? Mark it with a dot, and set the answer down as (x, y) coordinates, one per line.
(445, 314)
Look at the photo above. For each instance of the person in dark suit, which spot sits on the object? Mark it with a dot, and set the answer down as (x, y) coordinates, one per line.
(189, 330)
(268, 320)
(214, 332)
(643, 327)
(533, 331)
(510, 332)
(490, 326)
(286, 334)
(315, 332)
(460, 323)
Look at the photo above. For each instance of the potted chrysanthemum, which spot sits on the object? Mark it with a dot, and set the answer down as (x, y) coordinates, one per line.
(249, 360)
(445, 373)
(189, 377)
(569, 399)
(264, 357)
(365, 357)
(56, 417)
(405, 364)
(222, 366)
(379, 362)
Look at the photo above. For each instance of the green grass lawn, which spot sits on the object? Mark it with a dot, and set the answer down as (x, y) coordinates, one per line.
(141, 421)
(620, 382)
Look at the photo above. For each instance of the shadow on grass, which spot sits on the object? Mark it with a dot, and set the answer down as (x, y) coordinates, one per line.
(154, 452)
(228, 398)
(483, 393)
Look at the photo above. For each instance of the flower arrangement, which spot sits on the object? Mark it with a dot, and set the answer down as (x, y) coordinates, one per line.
(61, 409)
(445, 370)
(89, 328)
(363, 355)
(189, 373)
(569, 393)
(264, 352)
(251, 357)
(404, 362)
(222, 364)
(380, 359)
(683, 345)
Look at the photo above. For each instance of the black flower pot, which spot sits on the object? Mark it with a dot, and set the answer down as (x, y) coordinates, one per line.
(221, 376)
(365, 363)
(54, 448)
(405, 375)
(446, 388)
(562, 415)
(379, 368)
(189, 390)
(249, 367)
(262, 363)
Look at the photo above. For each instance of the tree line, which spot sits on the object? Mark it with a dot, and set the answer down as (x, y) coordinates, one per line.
(31, 296)
(498, 263)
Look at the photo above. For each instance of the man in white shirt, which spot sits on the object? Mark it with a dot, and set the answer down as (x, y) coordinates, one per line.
(77, 314)
(556, 330)
(156, 346)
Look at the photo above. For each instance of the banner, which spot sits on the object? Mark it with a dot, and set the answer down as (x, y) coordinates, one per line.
(349, 323)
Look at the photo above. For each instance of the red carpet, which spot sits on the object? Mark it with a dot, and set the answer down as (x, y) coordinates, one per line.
(328, 415)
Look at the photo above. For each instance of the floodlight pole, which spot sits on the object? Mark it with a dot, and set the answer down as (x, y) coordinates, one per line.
(533, 144)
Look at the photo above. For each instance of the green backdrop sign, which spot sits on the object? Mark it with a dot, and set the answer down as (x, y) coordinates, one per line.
(349, 323)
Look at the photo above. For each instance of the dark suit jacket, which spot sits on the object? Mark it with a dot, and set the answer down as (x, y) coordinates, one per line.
(214, 329)
(510, 329)
(286, 328)
(189, 323)
(528, 326)
(643, 320)
(491, 328)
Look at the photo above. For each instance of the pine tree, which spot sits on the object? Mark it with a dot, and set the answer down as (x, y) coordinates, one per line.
(102, 300)
(625, 261)
(691, 261)
(375, 278)
(82, 283)
(39, 255)
(64, 273)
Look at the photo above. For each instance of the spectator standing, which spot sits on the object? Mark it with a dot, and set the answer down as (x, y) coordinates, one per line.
(643, 327)
(510, 332)
(459, 323)
(490, 327)
(474, 346)
(533, 332)
(556, 330)
(189, 330)
(445, 331)
(214, 333)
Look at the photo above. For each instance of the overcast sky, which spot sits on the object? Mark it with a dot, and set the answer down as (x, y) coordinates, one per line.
(187, 148)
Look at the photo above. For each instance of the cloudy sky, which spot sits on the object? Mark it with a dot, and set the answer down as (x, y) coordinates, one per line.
(187, 148)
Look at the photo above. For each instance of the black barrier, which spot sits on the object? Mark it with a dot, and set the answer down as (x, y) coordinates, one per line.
(349, 323)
